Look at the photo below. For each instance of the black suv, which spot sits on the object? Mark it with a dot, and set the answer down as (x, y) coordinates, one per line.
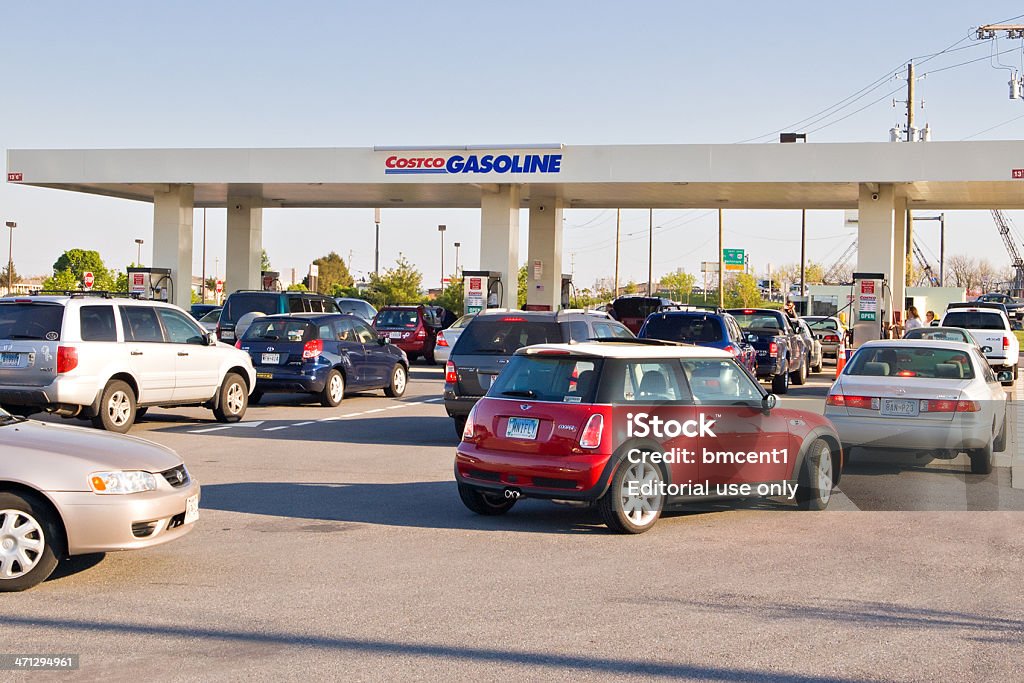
(489, 341)
(268, 303)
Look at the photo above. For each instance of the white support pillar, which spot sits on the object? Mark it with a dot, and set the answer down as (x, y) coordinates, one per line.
(899, 256)
(244, 242)
(172, 239)
(545, 249)
(499, 239)
(875, 207)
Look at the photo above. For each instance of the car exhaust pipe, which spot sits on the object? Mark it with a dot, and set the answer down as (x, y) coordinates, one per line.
(66, 410)
(513, 493)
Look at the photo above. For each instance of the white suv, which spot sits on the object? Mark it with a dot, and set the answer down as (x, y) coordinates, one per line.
(991, 328)
(109, 359)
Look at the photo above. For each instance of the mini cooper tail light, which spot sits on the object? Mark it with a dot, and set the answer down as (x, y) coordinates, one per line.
(67, 358)
(470, 428)
(312, 349)
(590, 437)
(451, 373)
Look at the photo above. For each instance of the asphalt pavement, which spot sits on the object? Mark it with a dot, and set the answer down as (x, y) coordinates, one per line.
(332, 543)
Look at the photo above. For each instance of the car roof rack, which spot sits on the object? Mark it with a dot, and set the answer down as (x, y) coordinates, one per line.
(977, 304)
(83, 293)
(646, 341)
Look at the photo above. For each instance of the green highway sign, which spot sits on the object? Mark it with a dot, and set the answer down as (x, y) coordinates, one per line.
(735, 259)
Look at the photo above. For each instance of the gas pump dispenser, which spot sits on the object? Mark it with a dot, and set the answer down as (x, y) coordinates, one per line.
(869, 307)
(150, 283)
(482, 289)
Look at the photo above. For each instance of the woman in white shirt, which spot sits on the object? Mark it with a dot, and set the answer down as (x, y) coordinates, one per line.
(913, 319)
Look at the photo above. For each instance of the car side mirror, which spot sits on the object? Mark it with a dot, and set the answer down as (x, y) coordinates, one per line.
(382, 340)
(1005, 376)
(751, 338)
(768, 402)
(211, 339)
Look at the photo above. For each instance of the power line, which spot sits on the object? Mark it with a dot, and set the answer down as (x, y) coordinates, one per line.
(998, 125)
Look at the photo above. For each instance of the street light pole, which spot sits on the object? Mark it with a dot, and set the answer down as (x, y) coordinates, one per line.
(457, 245)
(202, 286)
(650, 252)
(376, 248)
(440, 230)
(10, 257)
(138, 243)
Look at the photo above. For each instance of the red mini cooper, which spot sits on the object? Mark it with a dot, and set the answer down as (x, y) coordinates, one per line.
(635, 426)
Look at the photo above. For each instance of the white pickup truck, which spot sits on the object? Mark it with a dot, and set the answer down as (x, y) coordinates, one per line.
(991, 328)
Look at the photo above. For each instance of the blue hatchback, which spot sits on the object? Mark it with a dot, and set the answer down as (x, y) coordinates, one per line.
(322, 354)
(716, 329)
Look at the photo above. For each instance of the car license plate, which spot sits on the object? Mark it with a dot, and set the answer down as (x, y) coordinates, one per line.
(522, 428)
(191, 509)
(899, 407)
(270, 359)
(10, 360)
(264, 375)
(762, 352)
(394, 335)
(227, 334)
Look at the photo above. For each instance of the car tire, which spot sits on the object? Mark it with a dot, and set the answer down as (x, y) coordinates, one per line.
(816, 478)
(817, 368)
(780, 383)
(1015, 372)
(233, 399)
(800, 376)
(628, 514)
(399, 381)
(460, 425)
(42, 543)
(410, 357)
(484, 503)
(334, 389)
(999, 443)
(141, 412)
(117, 408)
(255, 397)
(981, 460)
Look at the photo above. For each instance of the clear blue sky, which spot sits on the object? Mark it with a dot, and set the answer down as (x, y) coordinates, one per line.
(206, 74)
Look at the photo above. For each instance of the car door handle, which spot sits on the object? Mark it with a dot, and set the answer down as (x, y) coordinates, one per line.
(136, 353)
(182, 353)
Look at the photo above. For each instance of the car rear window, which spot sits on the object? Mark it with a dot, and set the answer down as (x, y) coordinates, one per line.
(757, 321)
(280, 330)
(974, 320)
(937, 335)
(910, 362)
(239, 304)
(505, 336)
(694, 329)
(635, 307)
(395, 317)
(31, 321)
(545, 378)
(826, 324)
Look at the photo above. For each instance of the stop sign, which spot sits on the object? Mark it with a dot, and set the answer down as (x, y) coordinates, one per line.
(88, 279)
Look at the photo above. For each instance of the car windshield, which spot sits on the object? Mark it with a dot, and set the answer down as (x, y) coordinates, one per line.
(397, 317)
(31, 321)
(757, 321)
(694, 329)
(211, 317)
(548, 378)
(938, 335)
(505, 336)
(911, 362)
(822, 324)
(635, 307)
(238, 305)
(974, 320)
(280, 330)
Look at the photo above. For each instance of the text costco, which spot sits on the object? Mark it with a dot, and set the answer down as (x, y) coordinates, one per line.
(473, 163)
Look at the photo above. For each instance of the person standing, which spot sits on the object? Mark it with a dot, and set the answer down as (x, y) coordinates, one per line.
(929, 317)
(913, 319)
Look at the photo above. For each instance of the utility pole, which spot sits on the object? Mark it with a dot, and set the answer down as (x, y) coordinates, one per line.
(721, 264)
(10, 257)
(440, 230)
(618, 234)
(650, 252)
(376, 248)
(910, 102)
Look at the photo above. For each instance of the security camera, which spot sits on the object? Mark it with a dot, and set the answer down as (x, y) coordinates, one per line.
(540, 208)
(874, 196)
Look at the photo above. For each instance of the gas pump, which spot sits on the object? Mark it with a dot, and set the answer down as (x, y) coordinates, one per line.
(482, 289)
(150, 283)
(868, 302)
(567, 290)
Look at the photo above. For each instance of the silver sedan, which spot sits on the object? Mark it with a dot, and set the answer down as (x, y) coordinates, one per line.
(938, 398)
(446, 338)
(72, 491)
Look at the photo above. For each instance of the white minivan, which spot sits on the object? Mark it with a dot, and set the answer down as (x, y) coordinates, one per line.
(108, 359)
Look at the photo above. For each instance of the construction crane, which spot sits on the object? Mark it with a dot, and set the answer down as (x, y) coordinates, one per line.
(1006, 232)
(832, 274)
(927, 274)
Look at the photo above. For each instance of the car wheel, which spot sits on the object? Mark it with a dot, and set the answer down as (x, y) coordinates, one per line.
(234, 398)
(816, 477)
(334, 390)
(1015, 371)
(818, 367)
(399, 380)
(780, 383)
(490, 504)
(623, 507)
(117, 408)
(999, 443)
(800, 376)
(460, 425)
(981, 460)
(31, 543)
(255, 397)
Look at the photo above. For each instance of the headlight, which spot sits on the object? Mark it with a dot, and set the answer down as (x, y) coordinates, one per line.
(122, 482)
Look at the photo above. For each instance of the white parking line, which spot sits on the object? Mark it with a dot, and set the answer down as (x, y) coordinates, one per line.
(432, 400)
(209, 429)
(375, 410)
(302, 424)
(274, 429)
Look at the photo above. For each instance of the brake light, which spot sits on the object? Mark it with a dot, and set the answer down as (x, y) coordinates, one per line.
(1006, 343)
(968, 407)
(451, 373)
(312, 349)
(831, 339)
(421, 333)
(67, 358)
(513, 319)
(470, 428)
(730, 348)
(949, 406)
(773, 349)
(238, 344)
(748, 311)
(863, 402)
(441, 341)
(591, 435)
(548, 352)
